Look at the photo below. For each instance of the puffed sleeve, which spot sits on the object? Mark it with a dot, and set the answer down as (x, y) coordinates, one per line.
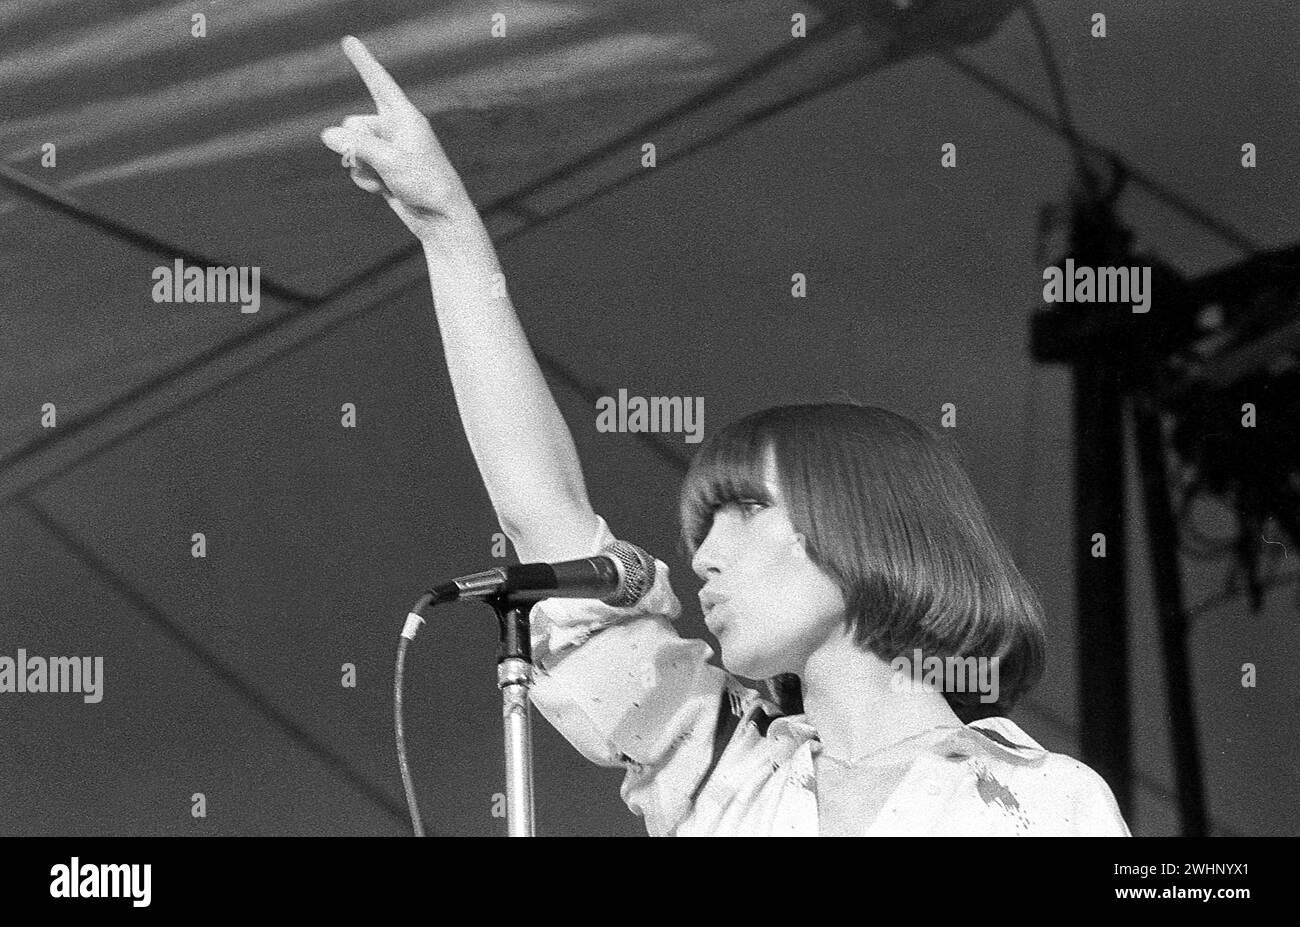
(1096, 813)
(626, 690)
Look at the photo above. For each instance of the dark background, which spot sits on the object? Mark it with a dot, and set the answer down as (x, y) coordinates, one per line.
(222, 675)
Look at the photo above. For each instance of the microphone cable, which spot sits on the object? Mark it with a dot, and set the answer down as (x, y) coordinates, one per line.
(413, 621)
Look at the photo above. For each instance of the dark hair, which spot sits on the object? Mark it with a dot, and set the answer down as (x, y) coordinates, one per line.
(890, 515)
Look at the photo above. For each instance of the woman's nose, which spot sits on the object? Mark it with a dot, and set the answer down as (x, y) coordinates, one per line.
(706, 562)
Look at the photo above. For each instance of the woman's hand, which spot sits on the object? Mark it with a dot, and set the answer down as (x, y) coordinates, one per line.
(395, 153)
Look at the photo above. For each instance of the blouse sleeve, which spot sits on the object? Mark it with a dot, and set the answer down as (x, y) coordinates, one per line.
(1096, 812)
(626, 690)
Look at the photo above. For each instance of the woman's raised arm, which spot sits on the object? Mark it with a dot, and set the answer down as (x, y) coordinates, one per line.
(521, 443)
(619, 683)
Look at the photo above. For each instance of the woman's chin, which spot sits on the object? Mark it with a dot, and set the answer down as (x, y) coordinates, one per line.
(738, 661)
(731, 663)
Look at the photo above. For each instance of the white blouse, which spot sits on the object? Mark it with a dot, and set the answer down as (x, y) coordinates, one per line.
(707, 756)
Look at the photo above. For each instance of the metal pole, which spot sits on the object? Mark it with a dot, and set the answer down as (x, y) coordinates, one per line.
(514, 676)
(1105, 737)
(1162, 533)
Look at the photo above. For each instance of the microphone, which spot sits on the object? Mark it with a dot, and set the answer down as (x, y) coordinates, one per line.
(620, 577)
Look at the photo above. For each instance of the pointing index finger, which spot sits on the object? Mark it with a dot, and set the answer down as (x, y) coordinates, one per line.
(387, 95)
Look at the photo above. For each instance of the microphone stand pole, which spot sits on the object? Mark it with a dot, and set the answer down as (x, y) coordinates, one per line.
(514, 677)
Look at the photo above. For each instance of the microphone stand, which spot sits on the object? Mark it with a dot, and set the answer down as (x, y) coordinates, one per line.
(514, 677)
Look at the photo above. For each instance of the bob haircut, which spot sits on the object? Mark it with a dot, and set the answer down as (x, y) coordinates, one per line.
(892, 518)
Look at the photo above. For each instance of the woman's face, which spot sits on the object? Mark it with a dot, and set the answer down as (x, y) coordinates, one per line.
(769, 605)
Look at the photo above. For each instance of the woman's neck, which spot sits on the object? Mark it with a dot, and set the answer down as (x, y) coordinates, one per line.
(849, 697)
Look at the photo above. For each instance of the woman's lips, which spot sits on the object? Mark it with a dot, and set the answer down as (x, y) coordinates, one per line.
(712, 601)
(711, 597)
(715, 618)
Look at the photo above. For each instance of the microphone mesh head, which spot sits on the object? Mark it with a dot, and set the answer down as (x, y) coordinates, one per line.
(636, 570)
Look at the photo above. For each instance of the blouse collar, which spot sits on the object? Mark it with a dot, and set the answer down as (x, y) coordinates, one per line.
(998, 737)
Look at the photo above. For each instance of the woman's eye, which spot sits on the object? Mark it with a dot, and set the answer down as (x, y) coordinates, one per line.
(751, 504)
